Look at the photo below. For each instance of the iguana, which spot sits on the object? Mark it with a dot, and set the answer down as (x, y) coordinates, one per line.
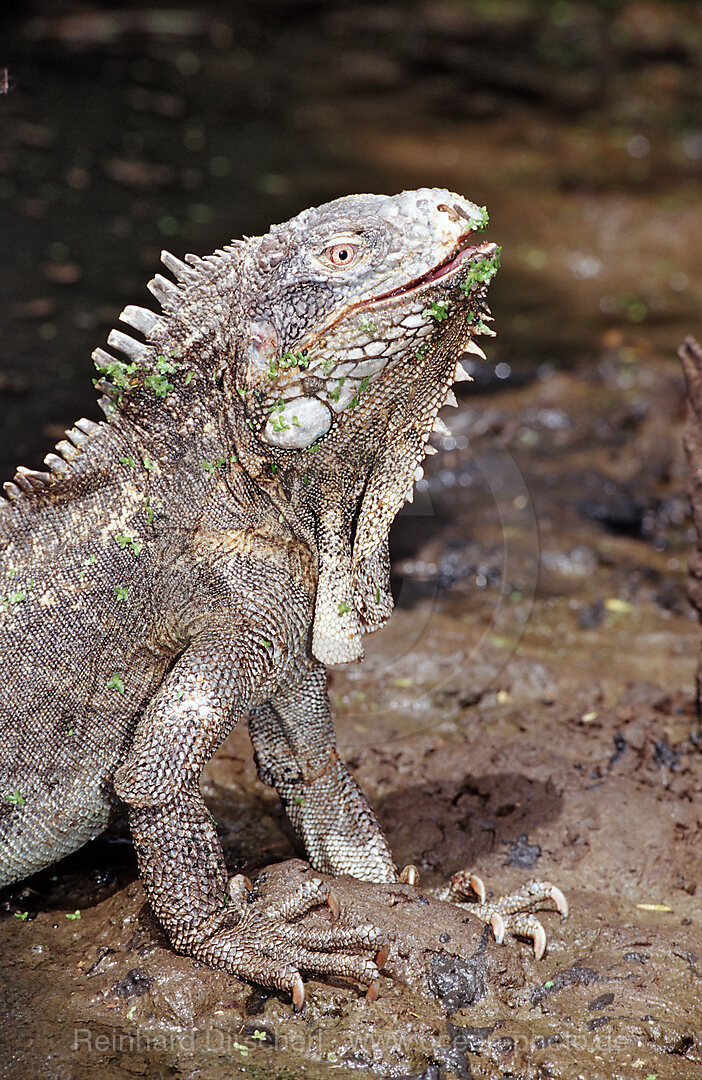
(200, 555)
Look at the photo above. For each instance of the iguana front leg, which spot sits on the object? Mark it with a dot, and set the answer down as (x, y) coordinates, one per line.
(180, 858)
(295, 750)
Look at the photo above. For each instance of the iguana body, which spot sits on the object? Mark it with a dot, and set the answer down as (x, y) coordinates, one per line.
(200, 555)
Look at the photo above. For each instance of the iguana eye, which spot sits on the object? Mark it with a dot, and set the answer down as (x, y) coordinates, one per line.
(343, 254)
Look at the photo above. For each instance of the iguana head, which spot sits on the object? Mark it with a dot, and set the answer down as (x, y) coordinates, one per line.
(341, 298)
(319, 326)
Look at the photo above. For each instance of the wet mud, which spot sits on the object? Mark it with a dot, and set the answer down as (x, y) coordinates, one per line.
(530, 709)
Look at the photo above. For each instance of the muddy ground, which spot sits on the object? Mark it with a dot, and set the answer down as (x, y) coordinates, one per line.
(529, 711)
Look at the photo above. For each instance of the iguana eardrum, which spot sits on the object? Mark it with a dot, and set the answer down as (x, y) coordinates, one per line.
(200, 555)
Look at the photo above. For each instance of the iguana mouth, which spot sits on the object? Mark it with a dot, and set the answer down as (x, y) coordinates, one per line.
(460, 255)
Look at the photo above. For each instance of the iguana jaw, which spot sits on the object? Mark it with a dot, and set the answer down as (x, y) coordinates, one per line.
(448, 266)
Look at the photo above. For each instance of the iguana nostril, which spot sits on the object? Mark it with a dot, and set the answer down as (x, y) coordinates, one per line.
(461, 212)
(453, 211)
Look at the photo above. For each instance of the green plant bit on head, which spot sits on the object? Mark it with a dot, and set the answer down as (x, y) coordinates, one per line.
(14, 598)
(294, 359)
(438, 309)
(472, 318)
(482, 272)
(128, 461)
(159, 384)
(131, 542)
(15, 799)
(477, 224)
(164, 366)
(121, 592)
(367, 325)
(119, 372)
(210, 466)
(73, 915)
(344, 607)
(116, 683)
(334, 394)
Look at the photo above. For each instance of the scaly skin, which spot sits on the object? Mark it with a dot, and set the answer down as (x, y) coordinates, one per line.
(199, 556)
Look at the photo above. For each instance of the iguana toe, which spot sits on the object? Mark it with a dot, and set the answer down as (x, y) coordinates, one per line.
(269, 946)
(512, 912)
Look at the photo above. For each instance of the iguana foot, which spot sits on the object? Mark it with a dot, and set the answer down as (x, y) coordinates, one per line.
(513, 912)
(266, 944)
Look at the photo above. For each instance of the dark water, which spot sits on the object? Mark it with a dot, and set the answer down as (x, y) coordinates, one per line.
(127, 129)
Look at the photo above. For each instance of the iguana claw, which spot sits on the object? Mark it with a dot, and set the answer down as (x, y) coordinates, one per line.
(511, 912)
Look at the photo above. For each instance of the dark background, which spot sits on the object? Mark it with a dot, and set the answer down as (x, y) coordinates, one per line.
(131, 127)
